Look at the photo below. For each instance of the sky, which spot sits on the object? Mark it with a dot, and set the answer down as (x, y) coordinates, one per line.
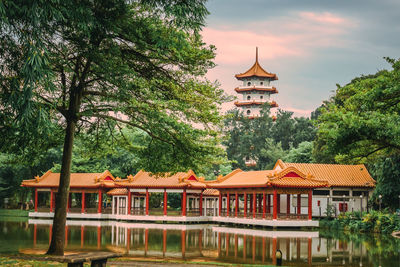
(311, 45)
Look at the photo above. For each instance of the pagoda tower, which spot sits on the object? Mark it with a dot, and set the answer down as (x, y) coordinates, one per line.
(255, 89)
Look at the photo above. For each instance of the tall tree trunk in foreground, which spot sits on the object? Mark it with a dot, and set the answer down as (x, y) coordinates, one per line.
(60, 213)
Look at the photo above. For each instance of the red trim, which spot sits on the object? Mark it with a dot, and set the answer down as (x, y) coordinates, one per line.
(100, 201)
(184, 202)
(83, 202)
(165, 202)
(299, 204)
(129, 201)
(272, 90)
(275, 212)
(192, 178)
(292, 174)
(220, 204)
(108, 178)
(147, 202)
(51, 201)
(36, 199)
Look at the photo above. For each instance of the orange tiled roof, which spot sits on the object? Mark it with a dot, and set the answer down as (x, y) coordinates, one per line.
(336, 174)
(288, 177)
(211, 192)
(249, 103)
(117, 192)
(256, 70)
(81, 180)
(272, 90)
(145, 179)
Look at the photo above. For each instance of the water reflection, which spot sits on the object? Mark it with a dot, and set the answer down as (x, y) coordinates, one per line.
(206, 242)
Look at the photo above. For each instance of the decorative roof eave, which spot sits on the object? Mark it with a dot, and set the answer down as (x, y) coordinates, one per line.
(299, 186)
(217, 186)
(256, 71)
(179, 186)
(223, 178)
(279, 163)
(250, 103)
(254, 88)
(72, 186)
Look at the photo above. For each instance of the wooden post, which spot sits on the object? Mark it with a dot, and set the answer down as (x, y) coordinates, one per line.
(184, 202)
(129, 201)
(287, 205)
(51, 200)
(147, 201)
(228, 204)
(245, 205)
(83, 202)
(201, 204)
(36, 199)
(264, 206)
(298, 204)
(310, 205)
(165, 202)
(100, 201)
(274, 216)
(236, 204)
(220, 204)
(254, 205)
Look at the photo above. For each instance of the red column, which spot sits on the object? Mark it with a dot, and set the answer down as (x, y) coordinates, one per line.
(288, 205)
(51, 200)
(220, 204)
(298, 204)
(129, 201)
(274, 216)
(201, 204)
(228, 204)
(310, 205)
(264, 206)
(82, 235)
(50, 232)
(254, 204)
(183, 242)
(36, 199)
(128, 239)
(165, 202)
(100, 201)
(309, 251)
(147, 201)
(146, 240)
(83, 202)
(236, 204)
(245, 205)
(184, 203)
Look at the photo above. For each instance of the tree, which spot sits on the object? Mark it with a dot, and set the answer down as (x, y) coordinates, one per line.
(362, 120)
(301, 154)
(90, 66)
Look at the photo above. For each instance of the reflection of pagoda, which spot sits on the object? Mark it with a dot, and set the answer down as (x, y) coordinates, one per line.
(256, 89)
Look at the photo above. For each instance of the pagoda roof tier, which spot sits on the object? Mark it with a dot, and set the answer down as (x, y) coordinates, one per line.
(257, 71)
(77, 180)
(271, 90)
(145, 179)
(257, 103)
(284, 178)
(336, 174)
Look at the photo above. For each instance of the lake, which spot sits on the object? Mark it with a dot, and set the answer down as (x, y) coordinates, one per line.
(219, 243)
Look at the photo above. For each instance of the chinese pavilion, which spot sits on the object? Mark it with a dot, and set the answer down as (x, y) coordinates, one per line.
(255, 89)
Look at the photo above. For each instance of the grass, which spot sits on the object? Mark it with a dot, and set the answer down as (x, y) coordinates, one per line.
(13, 213)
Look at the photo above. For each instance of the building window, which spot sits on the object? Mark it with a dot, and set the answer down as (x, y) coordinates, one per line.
(248, 97)
(248, 112)
(261, 83)
(261, 97)
(248, 83)
(321, 192)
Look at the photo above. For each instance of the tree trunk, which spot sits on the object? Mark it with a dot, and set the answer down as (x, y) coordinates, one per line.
(60, 213)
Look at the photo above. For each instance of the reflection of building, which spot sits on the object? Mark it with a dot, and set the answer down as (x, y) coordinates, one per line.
(255, 89)
(288, 195)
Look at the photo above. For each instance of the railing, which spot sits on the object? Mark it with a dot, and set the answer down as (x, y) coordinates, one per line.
(193, 212)
(43, 209)
(138, 211)
(107, 210)
(91, 210)
(211, 212)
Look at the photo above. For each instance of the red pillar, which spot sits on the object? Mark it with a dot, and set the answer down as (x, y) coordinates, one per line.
(50, 232)
(264, 206)
(51, 200)
(201, 204)
(228, 204)
(220, 204)
(165, 202)
(100, 201)
(83, 202)
(184, 203)
(36, 199)
(245, 205)
(183, 242)
(274, 216)
(129, 201)
(254, 204)
(310, 205)
(146, 241)
(128, 239)
(227, 243)
(147, 201)
(269, 204)
(288, 205)
(236, 204)
(298, 204)
(309, 251)
(82, 235)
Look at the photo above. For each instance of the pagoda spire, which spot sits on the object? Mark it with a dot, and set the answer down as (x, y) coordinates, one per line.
(256, 54)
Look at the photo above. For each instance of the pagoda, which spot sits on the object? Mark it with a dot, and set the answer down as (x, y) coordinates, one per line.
(255, 89)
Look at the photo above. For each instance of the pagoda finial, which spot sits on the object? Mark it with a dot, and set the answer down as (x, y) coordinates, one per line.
(256, 54)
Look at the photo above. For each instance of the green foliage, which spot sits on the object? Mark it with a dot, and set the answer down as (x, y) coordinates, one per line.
(301, 154)
(266, 141)
(373, 221)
